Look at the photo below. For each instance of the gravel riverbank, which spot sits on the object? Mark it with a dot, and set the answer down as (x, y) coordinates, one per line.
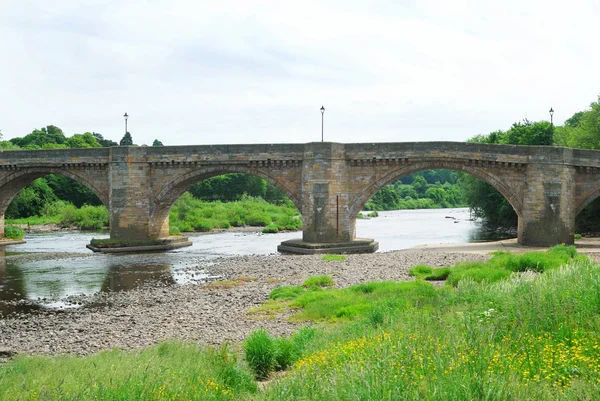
(197, 312)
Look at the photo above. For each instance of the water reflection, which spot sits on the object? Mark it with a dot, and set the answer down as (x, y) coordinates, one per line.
(123, 278)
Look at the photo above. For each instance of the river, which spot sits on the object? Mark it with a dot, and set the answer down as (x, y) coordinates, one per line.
(51, 267)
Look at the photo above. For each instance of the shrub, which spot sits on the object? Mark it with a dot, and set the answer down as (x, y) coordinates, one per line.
(373, 214)
(286, 292)
(258, 219)
(270, 229)
(260, 350)
(174, 230)
(577, 236)
(14, 232)
(318, 281)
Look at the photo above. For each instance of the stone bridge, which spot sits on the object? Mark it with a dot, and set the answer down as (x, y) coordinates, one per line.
(328, 182)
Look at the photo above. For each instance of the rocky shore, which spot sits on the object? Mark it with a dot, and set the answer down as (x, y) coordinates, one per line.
(205, 313)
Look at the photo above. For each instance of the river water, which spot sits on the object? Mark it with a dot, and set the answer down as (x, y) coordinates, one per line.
(51, 267)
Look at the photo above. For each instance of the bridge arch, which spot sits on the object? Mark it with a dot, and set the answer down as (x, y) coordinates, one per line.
(11, 184)
(358, 202)
(592, 196)
(168, 194)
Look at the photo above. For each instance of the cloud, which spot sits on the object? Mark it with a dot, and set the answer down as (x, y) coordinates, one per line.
(258, 71)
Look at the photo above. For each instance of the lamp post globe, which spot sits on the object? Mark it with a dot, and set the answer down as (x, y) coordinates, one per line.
(551, 115)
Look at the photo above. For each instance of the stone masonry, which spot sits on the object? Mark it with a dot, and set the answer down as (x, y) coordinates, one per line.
(328, 182)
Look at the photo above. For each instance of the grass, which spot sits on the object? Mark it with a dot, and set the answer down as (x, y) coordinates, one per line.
(330, 257)
(318, 281)
(532, 335)
(169, 371)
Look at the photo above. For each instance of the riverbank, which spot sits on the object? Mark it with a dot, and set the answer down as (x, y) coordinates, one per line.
(206, 313)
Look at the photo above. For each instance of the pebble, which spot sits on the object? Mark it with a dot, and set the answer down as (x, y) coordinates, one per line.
(154, 313)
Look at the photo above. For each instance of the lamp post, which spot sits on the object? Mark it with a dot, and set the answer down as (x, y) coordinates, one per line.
(551, 114)
(125, 116)
(322, 113)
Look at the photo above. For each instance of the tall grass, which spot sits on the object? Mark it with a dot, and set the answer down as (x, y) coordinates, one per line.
(534, 335)
(170, 371)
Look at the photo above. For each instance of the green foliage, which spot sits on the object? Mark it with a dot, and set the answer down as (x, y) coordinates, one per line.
(105, 143)
(14, 232)
(331, 257)
(157, 143)
(577, 236)
(49, 137)
(513, 340)
(127, 140)
(420, 191)
(358, 300)
(190, 214)
(31, 200)
(87, 217)
(373, 214)
(169, 371)
(260, 350)
(86, 140)
(270, 229)
(286, 292)
(318, 281)
(232, 187)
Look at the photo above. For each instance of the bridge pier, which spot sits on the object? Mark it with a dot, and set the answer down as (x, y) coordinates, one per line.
(328, 226)
(548, 214)
(132, 225)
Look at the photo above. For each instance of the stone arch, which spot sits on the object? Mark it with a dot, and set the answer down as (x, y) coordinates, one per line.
(11, 184)
(357, 203)
(163, 202)
(587, 200)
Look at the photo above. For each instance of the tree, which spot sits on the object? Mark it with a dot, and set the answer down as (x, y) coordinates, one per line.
(86, 140)
(44, 138)
(127, 140)
(105, 143)
(157, 143)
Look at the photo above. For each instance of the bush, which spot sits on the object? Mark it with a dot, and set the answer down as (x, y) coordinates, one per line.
(257, 219)
(577, 236)
(373, 214)
(260, 350)
(14, 232)
(270, 229)
(318, 281)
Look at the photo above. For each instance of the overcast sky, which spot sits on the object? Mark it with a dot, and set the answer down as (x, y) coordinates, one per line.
(257, 71)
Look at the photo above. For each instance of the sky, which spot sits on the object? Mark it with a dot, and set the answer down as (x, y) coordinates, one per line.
(258, 71)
